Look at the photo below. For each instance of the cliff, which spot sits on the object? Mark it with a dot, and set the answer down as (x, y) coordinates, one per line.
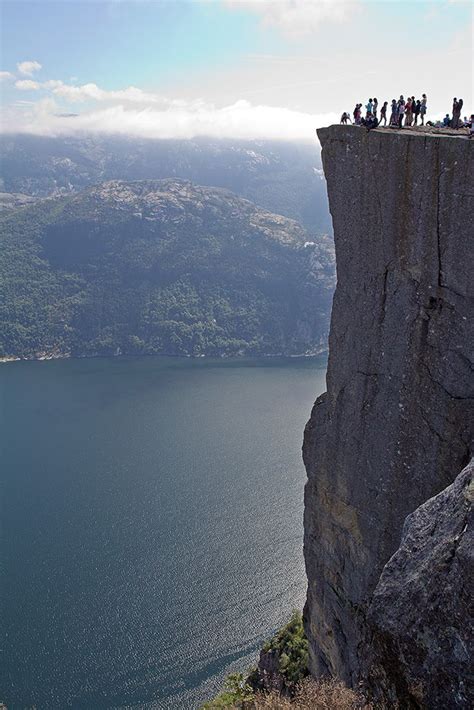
(396, 425)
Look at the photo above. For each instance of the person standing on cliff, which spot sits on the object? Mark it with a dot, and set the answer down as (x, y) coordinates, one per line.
(401, 110)
(455, 111)
(345, 117)
(375, 104)
(423, 107)
(383, 113)
(369, 107)
(408, 112)
(394, 114)
(416, 111)
(457, 108)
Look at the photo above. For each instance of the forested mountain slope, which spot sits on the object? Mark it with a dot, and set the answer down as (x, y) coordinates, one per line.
(160, 266)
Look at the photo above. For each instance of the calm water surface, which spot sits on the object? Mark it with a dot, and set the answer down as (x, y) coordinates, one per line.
(151, 525)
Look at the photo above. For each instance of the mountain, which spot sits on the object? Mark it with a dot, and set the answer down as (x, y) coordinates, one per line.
(282, 177)
(161, 266)
(12, 201)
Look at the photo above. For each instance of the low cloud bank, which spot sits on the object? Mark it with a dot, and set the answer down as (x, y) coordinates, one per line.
(239, 120)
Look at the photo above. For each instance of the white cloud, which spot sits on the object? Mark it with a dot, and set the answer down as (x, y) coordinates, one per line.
(27, 85)
(238, 120)
(91, 92)
(28, 68)
(4, 75)
(298, 17)
(88, 92)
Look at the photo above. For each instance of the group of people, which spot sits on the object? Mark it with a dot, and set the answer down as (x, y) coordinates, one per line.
(455, 120)
(404, 112)
(408, 110)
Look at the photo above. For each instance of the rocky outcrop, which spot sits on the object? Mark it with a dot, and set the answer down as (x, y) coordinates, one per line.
(420, 618)
(396, 425)
(268, 676)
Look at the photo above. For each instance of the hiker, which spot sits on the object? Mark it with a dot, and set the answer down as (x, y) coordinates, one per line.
(368, 108)
(370, 121)
(423, 108)
(408, 112)
(345, 117)
(394, 114)
(457, 108)
(357, 114)
(446, 121)
(401, 110)
(471, 131)
(374, 107)
(383, 113)
(416, 111)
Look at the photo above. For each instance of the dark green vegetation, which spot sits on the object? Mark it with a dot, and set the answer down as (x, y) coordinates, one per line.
(286, 654)
(236, 693)
(160, 267)
(283, 177)
(290, 646)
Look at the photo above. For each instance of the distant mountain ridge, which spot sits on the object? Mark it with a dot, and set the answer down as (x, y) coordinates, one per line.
(160, 267)
(280, 176)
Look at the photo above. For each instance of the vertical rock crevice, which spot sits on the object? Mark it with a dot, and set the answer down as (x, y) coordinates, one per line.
(396, 425)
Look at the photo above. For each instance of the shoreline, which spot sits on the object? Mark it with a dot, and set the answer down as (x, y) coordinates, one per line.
(48, 357)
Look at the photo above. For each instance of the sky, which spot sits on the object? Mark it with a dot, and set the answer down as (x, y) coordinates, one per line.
(225, 68)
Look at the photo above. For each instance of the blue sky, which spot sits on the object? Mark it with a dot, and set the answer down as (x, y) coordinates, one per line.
(310, 58)
(119, 43)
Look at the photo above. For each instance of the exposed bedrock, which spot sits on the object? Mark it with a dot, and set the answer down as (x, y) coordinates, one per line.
(420, 618)
(396, 425)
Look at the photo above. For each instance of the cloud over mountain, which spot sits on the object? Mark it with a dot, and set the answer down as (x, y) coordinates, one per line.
(175, 120)
(133, 111)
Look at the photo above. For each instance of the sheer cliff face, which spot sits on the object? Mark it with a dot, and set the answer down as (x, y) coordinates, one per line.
(396, 425)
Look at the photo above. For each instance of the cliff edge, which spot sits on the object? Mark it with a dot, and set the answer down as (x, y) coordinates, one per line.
(396, 425)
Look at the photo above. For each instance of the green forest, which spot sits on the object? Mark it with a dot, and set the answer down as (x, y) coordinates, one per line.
(160, 267)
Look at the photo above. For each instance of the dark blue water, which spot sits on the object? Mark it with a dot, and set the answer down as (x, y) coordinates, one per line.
(151, 525)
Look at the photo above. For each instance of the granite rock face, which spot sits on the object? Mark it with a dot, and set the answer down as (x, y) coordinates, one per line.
(420, 619)
(396, 425)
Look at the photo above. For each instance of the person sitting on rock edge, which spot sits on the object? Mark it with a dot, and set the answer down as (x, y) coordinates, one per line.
(370, 122)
